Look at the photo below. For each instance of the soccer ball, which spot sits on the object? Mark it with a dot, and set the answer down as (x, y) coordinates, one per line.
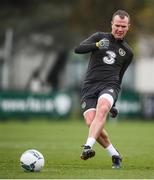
(32, 160)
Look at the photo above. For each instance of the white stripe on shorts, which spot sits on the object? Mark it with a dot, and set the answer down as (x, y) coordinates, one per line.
(94, 109)
(108, 97)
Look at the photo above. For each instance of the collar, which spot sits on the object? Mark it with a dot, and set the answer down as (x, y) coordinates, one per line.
(115, 40)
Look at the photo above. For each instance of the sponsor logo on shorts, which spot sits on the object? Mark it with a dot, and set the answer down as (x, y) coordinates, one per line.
(83, 105)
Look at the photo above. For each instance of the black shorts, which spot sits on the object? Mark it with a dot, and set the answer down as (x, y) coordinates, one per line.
(91, 94)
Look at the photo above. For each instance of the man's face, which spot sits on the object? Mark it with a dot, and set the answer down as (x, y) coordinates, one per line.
(119, 27)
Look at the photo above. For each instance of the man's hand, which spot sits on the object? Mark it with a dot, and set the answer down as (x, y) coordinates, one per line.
(99, 44)
(102, 43)
(114, 112)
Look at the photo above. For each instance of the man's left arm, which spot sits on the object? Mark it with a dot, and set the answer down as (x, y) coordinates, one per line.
(129, 60)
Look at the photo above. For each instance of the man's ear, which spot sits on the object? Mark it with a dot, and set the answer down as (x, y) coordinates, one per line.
(129, 25)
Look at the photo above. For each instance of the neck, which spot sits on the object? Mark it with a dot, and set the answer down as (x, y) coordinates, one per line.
(116, 39)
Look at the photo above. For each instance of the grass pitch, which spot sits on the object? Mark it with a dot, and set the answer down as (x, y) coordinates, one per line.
(60, 143)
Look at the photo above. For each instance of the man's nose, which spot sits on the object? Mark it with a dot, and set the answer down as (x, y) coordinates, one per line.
(120, 28)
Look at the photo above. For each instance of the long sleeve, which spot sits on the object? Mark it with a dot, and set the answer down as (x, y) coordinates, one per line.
(88, 45)
(125, 68)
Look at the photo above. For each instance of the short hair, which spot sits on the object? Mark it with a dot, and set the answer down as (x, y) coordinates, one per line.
(122, 14)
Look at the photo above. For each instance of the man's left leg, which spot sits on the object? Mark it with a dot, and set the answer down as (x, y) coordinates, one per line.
(103, 140)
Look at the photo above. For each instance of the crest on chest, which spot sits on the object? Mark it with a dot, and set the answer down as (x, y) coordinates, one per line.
(122, 52)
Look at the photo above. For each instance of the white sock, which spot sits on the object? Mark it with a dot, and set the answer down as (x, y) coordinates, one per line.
(112, 151)
(90, 141)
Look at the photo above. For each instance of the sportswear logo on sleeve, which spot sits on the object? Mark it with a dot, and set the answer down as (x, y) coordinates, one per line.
(122, 52)
(111, 90)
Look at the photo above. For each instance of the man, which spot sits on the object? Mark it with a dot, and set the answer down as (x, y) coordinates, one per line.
(110, 57)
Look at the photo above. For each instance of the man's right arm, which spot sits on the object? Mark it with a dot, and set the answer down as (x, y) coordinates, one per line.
(88, 45)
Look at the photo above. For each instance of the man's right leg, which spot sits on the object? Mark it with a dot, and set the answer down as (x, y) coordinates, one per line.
(113, 112)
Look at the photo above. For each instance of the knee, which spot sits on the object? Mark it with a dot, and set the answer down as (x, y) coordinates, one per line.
(89, 116)
(103, 107)
(88, 122)
(102, 110)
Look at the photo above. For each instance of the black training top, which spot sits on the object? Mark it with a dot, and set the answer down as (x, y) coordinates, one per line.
(108, 64)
